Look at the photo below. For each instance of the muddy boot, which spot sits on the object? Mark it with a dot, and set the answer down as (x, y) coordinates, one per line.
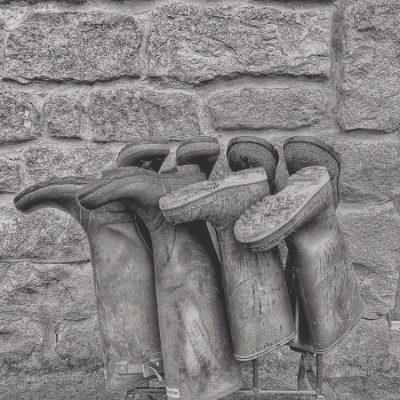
(255, 291)
(147, 154)
(245, 152)
(123, 279)
(304, 214)
(123, 273)
(301, 152)
(202, 151)
(195, 340)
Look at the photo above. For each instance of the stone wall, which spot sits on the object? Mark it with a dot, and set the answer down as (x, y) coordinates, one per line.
(81, 78)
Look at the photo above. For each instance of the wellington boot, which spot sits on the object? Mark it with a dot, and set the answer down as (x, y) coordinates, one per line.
(245, 152)
(197, 351)
(257, 299)
(301, 152)
(123, 279)
(201, 150)
(304, 214)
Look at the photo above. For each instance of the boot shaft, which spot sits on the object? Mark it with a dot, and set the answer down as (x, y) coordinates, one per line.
(197, 351)
(123, 279)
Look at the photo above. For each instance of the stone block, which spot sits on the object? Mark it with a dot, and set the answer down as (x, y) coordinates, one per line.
(78, 343)
(194, 44)
(47, 234)
(62, 116)
(288, 107)
(58, 291)
(371, 234)
(35, 300)
(48, 160)
(364, 352)
(19, 118)
(370, 86)
(10, 173)
(130, 114)
(77, 384)
(73, 46)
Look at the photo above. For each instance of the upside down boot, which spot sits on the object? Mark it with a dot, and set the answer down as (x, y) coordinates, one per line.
(197, 351)
(123, 279)
(202, 151)
(301, 152)
(304, 214)
(255, 289)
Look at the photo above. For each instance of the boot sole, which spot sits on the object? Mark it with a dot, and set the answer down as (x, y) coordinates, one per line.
(113, 181)
(28, 194)
(296, 208)
(253, 140)
(133, 153)
(325, 151)
(200, 194)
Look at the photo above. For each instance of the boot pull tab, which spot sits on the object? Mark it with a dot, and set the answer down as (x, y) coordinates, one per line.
(150, 368)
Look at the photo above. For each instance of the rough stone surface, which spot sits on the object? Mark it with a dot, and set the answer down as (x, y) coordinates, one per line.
(370, 88)
(282, 108)
(40, 307)
(73, 46)
(10, 179)
(194, 44)
(78, 342)
(2, 38)
(353, 356)
(19, 118)
(66, 385)
(124, 115)
(376, 261)
(369, 167)
(47, 234)
(62, 116)
(47, 160)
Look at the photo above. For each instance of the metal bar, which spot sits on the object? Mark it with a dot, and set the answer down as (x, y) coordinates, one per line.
(319, 374)
(255, 373)
(249, 392)
(301, 374)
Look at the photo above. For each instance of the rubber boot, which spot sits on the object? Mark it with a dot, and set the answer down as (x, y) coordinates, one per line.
(305, 215)
(245, 152)
(201, 150)
(301, 152)
(196, 346)
(123, 274)
(147, 154)
(255, 290)
(123, 280)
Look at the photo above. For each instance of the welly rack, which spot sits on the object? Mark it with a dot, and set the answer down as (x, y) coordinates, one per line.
(310, 369)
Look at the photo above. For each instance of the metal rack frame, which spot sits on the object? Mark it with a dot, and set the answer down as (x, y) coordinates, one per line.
(305, 373)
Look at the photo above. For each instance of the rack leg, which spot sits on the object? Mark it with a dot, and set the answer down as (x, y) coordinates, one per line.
(255, 373)
(301, 374)
(319, 374)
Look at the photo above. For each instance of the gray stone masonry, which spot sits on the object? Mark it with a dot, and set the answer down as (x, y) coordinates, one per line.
(79, 79)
